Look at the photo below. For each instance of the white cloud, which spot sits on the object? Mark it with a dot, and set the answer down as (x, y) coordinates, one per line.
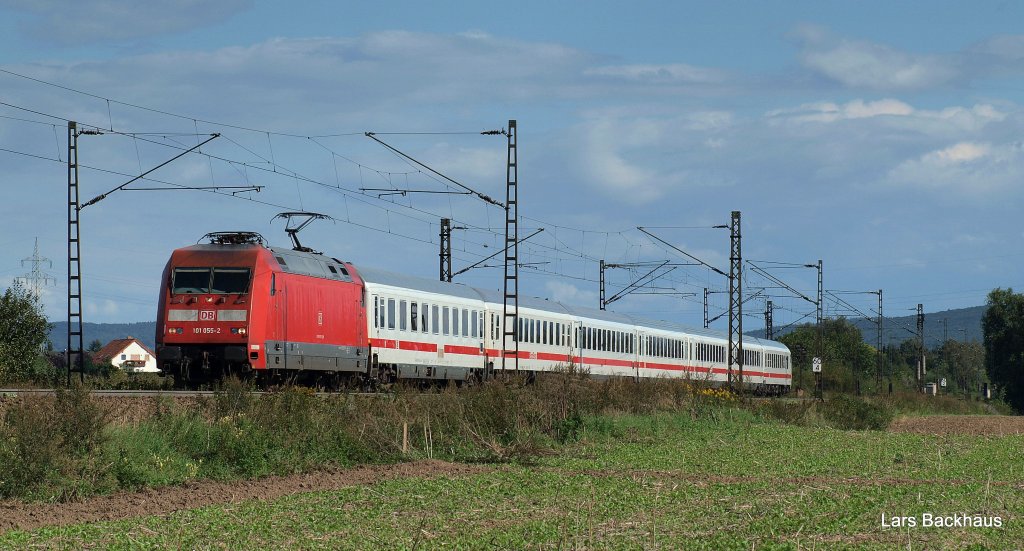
(957, 154)
(830, 112)
(1006, 47)
(99, 21)
(862, 64)
(892, 110)
(570, 294)
(605, 150)
(673, 73)
(965, 168)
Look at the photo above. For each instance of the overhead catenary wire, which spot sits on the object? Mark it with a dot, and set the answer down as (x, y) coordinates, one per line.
(560, 248)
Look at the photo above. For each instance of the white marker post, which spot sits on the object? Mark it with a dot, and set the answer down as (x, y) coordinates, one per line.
(816, 368)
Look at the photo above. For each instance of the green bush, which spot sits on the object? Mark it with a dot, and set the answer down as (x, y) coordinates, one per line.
(51, 446)
(788, 412)
(851, 413)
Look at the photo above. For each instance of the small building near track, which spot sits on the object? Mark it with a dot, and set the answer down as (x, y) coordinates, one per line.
(128, 354)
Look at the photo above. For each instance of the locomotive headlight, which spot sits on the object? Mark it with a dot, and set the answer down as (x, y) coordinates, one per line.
(241, 331)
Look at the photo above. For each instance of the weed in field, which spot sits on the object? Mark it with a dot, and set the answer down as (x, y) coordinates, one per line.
(51, 446)
(788, 412)
(852, 413)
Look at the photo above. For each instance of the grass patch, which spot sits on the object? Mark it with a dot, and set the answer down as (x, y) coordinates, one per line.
(635, 481)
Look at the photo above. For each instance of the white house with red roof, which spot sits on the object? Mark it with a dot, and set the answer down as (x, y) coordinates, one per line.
(128, 354)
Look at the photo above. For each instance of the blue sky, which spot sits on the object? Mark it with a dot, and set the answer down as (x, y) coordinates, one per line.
(880, 137)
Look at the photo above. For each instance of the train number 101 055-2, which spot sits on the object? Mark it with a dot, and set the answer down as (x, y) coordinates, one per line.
(206, 330)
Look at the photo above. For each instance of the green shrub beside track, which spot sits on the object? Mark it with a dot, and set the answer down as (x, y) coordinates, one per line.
(65, 446)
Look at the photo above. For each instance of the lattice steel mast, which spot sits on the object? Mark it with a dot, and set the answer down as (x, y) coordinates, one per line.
(510, 316)
(735, 300)
(445, 253)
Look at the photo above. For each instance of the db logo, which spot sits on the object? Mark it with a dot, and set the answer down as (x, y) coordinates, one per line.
(207, 315)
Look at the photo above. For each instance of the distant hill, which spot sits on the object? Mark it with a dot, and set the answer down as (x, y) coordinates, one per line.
(961, 324)
(145, 331)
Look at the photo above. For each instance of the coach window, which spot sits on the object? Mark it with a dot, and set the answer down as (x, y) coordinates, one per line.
(475, 321)
(435, 320)
(465, 323)
(402, 312)
(424, 316)
(444, 321)
(455, 322)
(391, 313)
(415, 314)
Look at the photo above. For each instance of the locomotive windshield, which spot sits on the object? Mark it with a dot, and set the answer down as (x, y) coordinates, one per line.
(210, 280)
(230, 280)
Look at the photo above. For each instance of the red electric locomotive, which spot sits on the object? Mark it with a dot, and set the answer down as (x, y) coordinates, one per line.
(238, 306)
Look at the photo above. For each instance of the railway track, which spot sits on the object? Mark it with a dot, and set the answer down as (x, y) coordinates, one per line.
(14, 392)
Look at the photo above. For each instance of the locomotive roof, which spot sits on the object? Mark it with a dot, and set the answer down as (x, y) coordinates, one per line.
(383, 277)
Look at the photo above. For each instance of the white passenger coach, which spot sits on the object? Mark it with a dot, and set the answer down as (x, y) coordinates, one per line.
(420, 328)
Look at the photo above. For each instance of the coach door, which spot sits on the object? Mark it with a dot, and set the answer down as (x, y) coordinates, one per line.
(572, 344)
(643, 341)
(634, 352)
